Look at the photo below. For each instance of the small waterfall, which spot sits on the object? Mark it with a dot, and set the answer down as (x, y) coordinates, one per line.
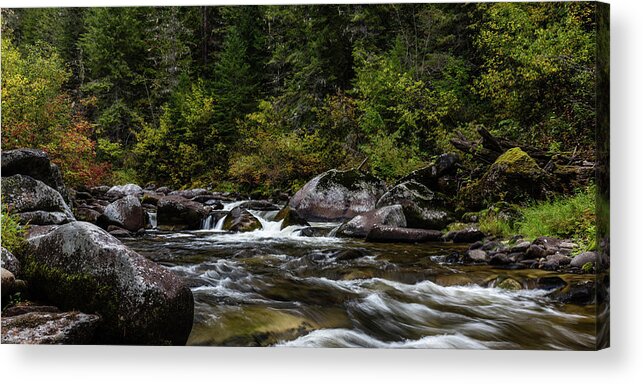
(266, 225)
(151, 219)
(213, 223)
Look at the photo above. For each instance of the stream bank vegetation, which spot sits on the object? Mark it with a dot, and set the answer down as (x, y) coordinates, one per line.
(260, 99)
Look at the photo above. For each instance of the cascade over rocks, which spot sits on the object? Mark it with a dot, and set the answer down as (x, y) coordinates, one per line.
(24, 194)
(80, 266)
(337, 195)
(240, 220)
(422, 208)
(290, 217)
(360, 225)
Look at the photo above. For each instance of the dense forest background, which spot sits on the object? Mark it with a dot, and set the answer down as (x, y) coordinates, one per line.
(262, 98)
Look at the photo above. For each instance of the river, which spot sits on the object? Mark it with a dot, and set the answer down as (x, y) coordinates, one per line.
(273, 287)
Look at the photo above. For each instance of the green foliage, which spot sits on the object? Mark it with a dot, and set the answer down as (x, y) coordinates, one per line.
(535, 56)
(272, 157)
(12, 233)
(496, 224)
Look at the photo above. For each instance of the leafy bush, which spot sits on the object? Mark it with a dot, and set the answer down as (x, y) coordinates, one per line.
(12, 232)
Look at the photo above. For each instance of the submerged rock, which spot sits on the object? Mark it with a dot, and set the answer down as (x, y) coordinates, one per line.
(360, 225)
(383, 234)
(337, 195)
(422, 208)
(80, 266)
(49, 328)
(178, 213)
(240, 220)
(25, 194)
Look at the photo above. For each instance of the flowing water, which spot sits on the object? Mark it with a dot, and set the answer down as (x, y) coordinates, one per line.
(272, 287)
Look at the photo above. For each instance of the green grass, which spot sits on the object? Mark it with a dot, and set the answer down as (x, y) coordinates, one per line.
(571, 217)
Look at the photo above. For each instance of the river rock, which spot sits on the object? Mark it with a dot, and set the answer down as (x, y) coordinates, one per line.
(151, 198)
(34, 163)
(179, 213)
(466, 235)
(43, 218)
(513, 177)
(10, 262)
(584, 258)
(337, 195)
(535, 252)
(500, 259)
(384, 234)
(87, 214)
(521, 247)
(475, 256)
(360, 225)
(422, 208)
(126, 212)
(290, 217)
(189, 193)
(555, 261)
(26, 194)
(119, 191)
(240, 220)
(80, 266)
(7, 283)
(49, 328)
(510, 284)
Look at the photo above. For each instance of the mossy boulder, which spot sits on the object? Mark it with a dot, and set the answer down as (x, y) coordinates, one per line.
(513, 177)
(422, 207)
(290, 217)
(240, 220)
(337, 195)
(79, 266)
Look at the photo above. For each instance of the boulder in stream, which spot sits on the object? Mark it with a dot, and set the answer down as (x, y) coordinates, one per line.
(126, 213)
(240, 220)
(385, 234)
(178, 213)
(79, 266)
(24, 194)
(422, 207)
(337, 195)
(360, 225)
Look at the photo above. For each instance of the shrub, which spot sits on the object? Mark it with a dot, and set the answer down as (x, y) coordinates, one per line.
(12, 233)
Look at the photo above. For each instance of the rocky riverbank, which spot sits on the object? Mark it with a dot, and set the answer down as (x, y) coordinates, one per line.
(87, 287)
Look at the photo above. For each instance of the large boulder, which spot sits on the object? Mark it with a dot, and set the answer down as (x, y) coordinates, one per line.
(178, 213)
(126, 213)
(49, 328)
(289, 216)
(80, 266)
(25, 194)
(422, 207)
(337, 195)
(240, 220)
(513, 177)
(360, 225)
(34, 163)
